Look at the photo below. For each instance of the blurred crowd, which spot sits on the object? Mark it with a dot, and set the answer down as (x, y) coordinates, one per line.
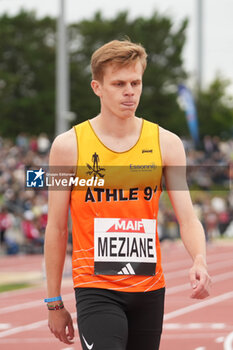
(209, 175)
(23, 212)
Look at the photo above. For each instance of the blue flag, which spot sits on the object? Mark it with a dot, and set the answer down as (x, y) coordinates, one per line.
(187, 103)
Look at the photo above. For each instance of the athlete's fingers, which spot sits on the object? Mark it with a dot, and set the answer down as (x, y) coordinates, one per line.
(70, 332)
(65, 339)
(200, 294)
(67, 334)
(193, 278)
(62, 336)
(57, 335)
(201, 291)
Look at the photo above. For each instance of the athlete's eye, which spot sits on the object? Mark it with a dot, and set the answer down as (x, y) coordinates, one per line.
(135, 83)
(119, 83)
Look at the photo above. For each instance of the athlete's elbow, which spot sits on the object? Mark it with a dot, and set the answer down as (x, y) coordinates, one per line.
(188, 222)
(56, 231)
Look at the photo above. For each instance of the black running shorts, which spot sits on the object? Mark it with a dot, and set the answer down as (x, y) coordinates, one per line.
(112, 320)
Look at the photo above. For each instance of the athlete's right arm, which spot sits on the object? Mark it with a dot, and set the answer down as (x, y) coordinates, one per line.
(63, 153)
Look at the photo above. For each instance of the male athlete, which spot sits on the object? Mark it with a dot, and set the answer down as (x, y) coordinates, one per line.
(117, 274)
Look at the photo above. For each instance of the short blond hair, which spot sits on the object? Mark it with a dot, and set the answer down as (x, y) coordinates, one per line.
(120, 53)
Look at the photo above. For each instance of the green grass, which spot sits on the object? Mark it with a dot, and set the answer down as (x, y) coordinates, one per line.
(13, 286)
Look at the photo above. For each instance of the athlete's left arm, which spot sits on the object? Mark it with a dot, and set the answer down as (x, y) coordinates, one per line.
(191, 230)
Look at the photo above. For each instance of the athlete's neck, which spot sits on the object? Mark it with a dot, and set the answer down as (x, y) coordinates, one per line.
(118, 136)
(118, 128)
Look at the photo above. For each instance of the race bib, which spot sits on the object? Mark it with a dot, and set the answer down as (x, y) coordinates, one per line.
(124, 246)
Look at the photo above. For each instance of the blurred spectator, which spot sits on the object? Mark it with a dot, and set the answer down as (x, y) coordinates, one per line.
(208, 145)
(5, 223)
(219, 206)
(22, 142)
(210, 223)
(30, 229)
(43, 143)
(14, 239)
(33, 144)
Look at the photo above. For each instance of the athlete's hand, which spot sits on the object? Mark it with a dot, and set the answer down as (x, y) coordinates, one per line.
(61, 325)
(200, 279)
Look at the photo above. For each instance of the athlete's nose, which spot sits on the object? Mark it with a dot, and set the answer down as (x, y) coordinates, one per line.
(129, 90)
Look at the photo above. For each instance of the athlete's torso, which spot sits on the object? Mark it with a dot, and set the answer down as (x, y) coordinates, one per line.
(115, 239)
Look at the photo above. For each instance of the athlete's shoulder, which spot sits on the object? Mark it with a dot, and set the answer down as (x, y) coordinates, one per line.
(171, 146)
(65, 141)
(64, 149)
(150, 128)
(168, 136)
(149, 123)
(81, 125)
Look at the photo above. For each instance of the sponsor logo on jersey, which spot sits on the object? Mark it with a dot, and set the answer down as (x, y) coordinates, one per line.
(142, 167)
(147, 150)
(127, 270)
(128, 225)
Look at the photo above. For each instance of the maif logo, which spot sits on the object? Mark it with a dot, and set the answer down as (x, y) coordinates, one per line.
(35, 178)
(128, 225)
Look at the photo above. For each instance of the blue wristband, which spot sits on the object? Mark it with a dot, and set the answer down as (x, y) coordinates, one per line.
(49, 300)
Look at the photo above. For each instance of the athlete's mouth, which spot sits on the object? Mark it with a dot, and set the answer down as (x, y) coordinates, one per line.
(128, 104)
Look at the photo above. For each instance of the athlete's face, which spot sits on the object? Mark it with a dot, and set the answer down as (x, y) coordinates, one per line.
(120, 90)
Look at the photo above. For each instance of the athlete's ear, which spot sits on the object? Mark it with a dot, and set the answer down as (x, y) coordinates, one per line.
(96, 87)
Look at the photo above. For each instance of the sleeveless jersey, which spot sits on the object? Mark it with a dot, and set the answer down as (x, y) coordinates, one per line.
(114, 211)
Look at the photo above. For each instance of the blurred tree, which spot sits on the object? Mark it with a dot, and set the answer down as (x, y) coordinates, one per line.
(27, 74)
(215, 109)
(27, 69)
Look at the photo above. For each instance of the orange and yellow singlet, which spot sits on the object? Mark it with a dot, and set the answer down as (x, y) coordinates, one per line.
(115, 238)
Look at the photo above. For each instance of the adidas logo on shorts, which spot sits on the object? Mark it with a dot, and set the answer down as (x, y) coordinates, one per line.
(127, 270)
